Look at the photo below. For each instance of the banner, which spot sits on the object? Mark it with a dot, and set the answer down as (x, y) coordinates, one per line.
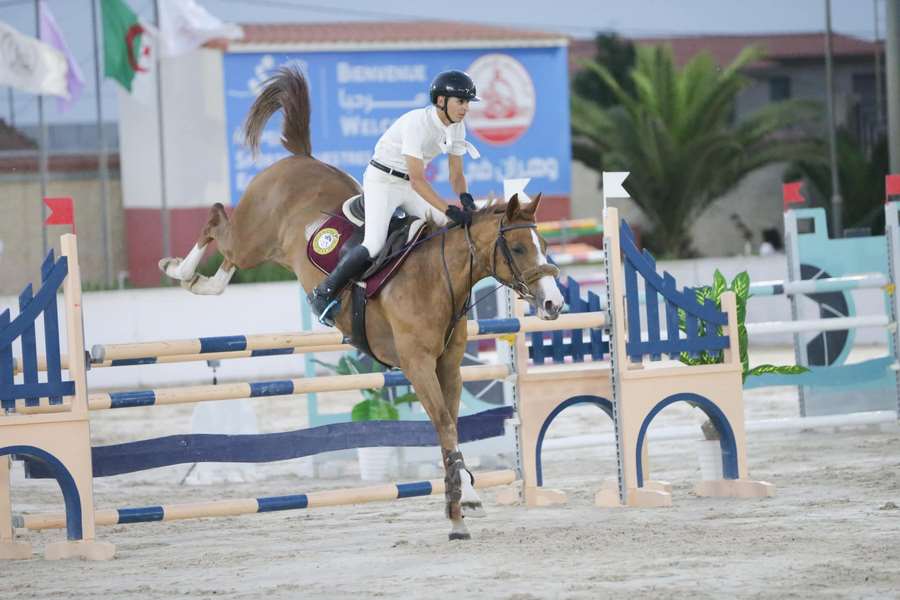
(521, 126)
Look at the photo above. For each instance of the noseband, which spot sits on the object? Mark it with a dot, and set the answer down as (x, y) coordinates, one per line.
(522, 280)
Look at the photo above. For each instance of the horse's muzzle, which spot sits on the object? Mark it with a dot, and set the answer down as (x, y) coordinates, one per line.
(548, 301)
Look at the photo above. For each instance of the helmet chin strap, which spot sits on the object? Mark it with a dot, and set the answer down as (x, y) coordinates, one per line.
(446, 102)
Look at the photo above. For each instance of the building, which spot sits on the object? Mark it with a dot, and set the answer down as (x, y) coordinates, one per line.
(362, 78)
(794, 67)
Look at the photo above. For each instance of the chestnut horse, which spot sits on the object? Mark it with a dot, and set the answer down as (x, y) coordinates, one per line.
(415, 321)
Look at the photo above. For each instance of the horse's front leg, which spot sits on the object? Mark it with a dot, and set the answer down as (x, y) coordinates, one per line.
(420, 369)
(448, 372)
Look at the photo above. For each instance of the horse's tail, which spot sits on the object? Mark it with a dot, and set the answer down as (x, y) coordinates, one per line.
(286, 90)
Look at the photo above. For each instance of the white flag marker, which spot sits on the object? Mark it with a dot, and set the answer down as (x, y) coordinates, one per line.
(612, 185)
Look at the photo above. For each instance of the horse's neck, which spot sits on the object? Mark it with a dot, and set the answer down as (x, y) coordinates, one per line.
(464, 274)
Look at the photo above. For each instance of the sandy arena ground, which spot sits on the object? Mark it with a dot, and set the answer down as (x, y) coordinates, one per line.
(833, 530)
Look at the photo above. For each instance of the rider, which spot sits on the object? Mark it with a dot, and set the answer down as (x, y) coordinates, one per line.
(395, 178)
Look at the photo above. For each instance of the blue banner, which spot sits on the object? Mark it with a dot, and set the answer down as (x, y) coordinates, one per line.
(521, 126)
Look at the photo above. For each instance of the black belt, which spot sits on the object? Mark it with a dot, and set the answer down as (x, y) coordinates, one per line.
(389, 170)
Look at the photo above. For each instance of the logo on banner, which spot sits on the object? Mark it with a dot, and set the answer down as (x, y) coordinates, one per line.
(507, 94)
(326, 241)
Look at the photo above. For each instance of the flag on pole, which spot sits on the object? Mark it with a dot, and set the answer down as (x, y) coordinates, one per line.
(31, 65)
(790, 194)
(62, 212)
(515, 186)
(184, 26)
(52, 36)
(128, 53)
(612, 185)
(892, 188)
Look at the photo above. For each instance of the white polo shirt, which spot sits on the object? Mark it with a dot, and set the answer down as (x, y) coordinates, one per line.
(420, 133)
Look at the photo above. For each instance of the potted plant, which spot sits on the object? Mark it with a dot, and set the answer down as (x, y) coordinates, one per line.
(709, 452)
(378, 404)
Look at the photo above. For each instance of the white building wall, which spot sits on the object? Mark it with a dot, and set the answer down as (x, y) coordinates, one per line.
(195, 145)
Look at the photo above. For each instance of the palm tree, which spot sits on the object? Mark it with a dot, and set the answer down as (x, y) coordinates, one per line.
(676, 135)
(861, 174)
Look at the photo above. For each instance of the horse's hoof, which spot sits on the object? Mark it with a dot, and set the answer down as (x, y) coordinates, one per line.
(459, 536)
(169, 266)
(473, 509)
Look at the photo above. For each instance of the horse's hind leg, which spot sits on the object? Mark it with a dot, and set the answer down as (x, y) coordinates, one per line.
(217, 228)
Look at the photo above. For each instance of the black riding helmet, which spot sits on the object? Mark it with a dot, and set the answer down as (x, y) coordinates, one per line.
(456, 84)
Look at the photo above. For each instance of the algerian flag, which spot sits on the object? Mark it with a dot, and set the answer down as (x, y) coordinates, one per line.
(128, 54)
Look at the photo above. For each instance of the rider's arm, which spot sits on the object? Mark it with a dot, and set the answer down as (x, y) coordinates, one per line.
(457, 178)
(415, 167)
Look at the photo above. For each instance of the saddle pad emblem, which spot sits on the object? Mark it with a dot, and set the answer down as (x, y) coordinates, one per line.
(326, 240)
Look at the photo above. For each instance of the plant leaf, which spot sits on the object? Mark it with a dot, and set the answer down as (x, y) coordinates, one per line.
(780, 369)
(374, 410)
(720, 284)
(741, 285)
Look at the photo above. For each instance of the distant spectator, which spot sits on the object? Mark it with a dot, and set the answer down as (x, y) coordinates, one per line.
(771, 242)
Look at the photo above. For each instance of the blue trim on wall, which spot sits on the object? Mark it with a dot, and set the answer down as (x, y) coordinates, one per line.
(604, 404)
(66, 482)
(726, 434)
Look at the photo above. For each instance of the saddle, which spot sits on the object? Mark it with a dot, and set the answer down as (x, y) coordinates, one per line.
(340, 232)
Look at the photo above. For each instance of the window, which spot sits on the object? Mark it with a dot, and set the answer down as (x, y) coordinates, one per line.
(779, 88)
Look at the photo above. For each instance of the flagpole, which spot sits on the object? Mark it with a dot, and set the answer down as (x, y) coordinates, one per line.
(164, 207)
(42, 125)
(102, 157)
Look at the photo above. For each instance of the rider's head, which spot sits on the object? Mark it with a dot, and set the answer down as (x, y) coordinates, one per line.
(451, 92)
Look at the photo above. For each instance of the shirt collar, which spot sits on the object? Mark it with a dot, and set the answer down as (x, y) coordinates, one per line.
(436, 120)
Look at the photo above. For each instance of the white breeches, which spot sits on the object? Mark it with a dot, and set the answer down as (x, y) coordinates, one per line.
(384, 194)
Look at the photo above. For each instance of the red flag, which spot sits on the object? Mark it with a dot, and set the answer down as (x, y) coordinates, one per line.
(62, 212)
(891, 188)
(790, 193)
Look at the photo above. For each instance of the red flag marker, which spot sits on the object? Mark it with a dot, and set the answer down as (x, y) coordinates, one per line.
(62, 212)
(891, 188)
(790, 194)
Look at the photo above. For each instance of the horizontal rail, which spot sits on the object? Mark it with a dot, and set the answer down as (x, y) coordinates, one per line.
(229, 508)
(835, 324)
(818, 286)
(261, 389)
(287, 343)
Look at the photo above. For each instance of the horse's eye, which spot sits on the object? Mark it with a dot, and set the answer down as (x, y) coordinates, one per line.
(518, 249)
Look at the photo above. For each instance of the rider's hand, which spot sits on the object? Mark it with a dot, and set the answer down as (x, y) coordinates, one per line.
(458, 215)
(467, 201)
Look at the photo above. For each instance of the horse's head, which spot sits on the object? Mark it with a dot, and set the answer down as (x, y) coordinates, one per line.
(519, 258)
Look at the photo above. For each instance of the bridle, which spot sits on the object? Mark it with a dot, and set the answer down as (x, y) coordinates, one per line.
(522, 280)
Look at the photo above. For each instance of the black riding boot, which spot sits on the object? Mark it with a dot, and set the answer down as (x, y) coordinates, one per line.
(324, 299)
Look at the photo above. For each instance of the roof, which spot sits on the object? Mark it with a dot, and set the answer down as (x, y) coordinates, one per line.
(360, 34)
(725, 48)
(13, 139)
(18, 164)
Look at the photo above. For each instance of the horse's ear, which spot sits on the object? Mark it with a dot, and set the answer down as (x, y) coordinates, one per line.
(532, 207)
(512, 207)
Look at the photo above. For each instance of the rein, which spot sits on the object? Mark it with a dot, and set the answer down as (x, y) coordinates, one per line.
(521, 280)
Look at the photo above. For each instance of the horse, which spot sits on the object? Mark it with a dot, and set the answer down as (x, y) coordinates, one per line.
(417, 321)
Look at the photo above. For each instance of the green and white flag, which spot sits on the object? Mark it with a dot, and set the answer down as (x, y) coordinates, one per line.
(129, 56)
